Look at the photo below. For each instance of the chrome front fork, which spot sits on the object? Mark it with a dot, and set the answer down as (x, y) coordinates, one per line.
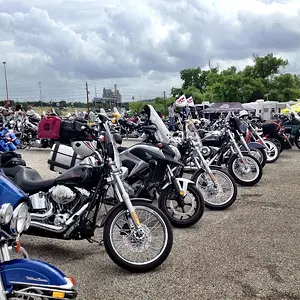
(124, 196)
(237, 149)
(4, 256)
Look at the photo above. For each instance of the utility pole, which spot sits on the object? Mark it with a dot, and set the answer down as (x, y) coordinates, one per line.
(87, 97)
(40, 86)
(165, 104)
(5, 77)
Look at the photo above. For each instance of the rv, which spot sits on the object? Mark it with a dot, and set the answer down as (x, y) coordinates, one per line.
(266, 109)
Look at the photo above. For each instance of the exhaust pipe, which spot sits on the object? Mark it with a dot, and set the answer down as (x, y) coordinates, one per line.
(42, 217)
(48, 227)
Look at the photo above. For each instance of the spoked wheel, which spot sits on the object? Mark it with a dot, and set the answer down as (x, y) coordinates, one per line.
(138, 250)
(219, 196)
(23, 144)
(187, 215)
(247, 175)
(260, 155)
(272, 151)
(277, 143)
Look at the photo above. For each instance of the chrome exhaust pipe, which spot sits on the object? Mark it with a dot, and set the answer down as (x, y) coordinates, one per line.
(48, 227)
(42, 217)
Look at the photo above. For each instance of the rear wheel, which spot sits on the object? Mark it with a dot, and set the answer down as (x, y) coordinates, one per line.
(187, 215)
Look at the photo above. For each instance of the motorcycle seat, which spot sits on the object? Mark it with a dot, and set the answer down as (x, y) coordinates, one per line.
(121, 149)
(29, 180)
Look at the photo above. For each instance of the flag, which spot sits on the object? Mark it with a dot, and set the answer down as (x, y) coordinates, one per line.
(190, 101)
(181, 101)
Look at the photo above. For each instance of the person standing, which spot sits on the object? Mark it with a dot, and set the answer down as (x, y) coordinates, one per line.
(6, 113)
(171, 109)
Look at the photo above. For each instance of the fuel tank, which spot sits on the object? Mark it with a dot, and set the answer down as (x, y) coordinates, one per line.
(138, 157)
(78, 175)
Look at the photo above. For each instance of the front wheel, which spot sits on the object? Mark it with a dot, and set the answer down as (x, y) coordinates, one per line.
(217, 196)
(187, 215)
(138, 250)
(260, 154)
(245, 175)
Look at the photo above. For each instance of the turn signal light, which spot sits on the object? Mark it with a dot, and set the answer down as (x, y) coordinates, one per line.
(18, 247)
(160, 145)
(72, 280)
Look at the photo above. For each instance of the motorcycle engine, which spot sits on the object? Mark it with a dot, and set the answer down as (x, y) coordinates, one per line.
(62, 194)
(206, 151)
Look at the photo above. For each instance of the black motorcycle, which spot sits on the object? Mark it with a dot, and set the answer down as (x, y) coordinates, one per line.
(150, 175)
(220, 147)
(137, 236)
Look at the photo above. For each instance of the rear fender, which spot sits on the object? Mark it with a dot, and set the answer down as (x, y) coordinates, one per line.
(256, 145)
(120, 204)
(27, 273)
(182, 182)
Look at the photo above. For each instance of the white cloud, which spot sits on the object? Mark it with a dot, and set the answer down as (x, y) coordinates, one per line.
(140, 45)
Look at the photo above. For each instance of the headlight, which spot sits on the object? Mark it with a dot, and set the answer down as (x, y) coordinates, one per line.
(21, 219)
(6, 213)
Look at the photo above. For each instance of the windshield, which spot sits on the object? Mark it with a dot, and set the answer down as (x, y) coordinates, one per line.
(192, 132)
(103, 112)
(162, 134)
(110, 140)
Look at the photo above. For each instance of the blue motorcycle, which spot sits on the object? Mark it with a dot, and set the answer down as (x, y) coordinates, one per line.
(24, 278)
(8, 140)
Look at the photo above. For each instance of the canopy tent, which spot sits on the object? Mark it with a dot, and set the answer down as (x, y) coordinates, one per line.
(295, 107)
(223, 107)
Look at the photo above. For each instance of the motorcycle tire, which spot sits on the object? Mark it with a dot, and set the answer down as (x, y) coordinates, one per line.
(277, 143)
(242, 181)
(275, 151)
(208, 198)
(23, 145)
(297, 141)
(127, 263)
(262, 155)
(172, 213)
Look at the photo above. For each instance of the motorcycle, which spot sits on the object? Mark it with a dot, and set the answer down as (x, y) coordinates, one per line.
(222, 148)
(8, 140)
(218, 188)
(25, 278)
(272, 150)
(150, 175)
(67, 207)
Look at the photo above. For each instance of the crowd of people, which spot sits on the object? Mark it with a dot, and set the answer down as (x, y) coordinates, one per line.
(7, 113)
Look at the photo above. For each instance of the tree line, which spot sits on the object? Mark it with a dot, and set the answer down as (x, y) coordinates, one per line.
(265, 79)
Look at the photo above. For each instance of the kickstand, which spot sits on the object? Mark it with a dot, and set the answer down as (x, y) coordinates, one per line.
(91, 240)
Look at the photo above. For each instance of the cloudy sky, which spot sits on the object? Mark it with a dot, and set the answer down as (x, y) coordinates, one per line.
(141, 45)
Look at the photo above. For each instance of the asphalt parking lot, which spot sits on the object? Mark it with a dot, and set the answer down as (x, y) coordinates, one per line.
(250, 251)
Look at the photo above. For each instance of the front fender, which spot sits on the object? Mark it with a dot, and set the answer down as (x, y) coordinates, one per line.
(182, 182)
(119, 204)
(30, 273)
(256, 145)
